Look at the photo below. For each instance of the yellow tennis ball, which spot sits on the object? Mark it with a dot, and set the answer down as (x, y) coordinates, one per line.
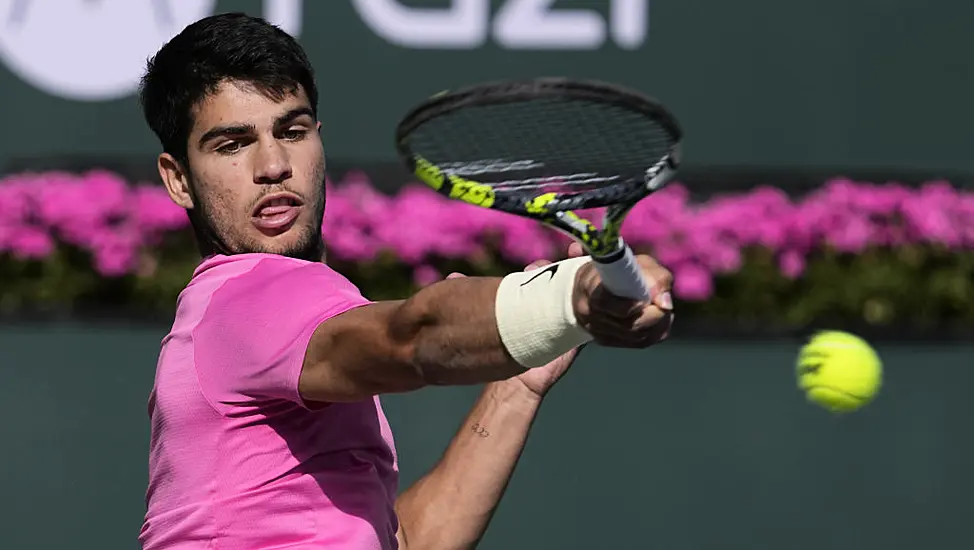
(839, 371)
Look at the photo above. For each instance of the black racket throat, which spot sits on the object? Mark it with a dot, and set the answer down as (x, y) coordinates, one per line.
(611, 257)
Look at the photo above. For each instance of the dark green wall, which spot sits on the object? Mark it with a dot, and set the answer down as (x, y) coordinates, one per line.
(858, 83)
(693, 445)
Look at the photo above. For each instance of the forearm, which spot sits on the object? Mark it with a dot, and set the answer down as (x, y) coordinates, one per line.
(456, 340)
(451, 506)
(522, 321)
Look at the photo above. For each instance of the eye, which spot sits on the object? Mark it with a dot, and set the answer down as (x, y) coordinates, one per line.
(294, 134)
(229, 148)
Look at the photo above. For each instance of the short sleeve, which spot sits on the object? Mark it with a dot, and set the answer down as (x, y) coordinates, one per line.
(249, 346)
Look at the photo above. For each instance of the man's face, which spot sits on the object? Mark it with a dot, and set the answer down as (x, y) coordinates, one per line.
(256, 172)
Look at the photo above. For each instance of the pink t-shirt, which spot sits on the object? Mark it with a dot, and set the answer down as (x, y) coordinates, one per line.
(237, 460)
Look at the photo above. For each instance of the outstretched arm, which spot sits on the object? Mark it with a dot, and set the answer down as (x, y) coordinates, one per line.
(459, 331)
(474, 330)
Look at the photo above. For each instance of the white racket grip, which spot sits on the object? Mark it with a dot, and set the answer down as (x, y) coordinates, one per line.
(623, 277)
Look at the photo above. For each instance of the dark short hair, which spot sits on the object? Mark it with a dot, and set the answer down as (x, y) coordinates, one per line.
(224, 47)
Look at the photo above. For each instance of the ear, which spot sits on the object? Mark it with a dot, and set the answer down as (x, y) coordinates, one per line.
(176, 180)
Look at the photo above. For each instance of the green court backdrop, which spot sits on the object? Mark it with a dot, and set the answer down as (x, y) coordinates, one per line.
(693, 445)
(836, 83)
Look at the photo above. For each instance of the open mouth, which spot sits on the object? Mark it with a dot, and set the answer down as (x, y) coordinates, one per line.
(277, 211)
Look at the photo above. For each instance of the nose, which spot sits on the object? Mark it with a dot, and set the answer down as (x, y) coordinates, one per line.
(272, 164)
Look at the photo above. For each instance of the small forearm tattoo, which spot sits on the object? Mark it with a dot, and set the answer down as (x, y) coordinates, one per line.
(480, 429)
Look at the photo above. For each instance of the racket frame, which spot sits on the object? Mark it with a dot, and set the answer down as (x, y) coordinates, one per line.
(613, 257)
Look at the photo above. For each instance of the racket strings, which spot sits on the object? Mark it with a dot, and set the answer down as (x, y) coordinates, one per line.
(551, 144)
(585, 137)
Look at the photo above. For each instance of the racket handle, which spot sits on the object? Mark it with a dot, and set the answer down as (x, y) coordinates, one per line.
(623, 277)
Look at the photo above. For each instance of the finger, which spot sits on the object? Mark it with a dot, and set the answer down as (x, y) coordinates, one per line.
(603, 334)
(455, 275)
(657, 333)
(660, 280)
(616, 340)
(663, 300)
(649, 317)
(536, 264)
(575, 250)
(609, 325)
(604, 303)
(630, 330)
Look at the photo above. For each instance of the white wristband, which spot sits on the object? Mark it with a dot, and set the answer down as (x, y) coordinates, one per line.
(535, 315)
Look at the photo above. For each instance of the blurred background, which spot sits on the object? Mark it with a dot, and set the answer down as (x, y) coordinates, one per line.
(827, 184)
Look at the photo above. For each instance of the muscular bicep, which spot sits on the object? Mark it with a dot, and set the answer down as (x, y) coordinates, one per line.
(362, 352)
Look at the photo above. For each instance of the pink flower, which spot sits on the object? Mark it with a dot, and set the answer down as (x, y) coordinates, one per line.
(425, 275)
(523, 241)
(29, 243)
(853, 235)
(16, 202)
(791, 263)
(116, 250)
(692, 282)
(155, 212)
(671, 252)
(351, 245)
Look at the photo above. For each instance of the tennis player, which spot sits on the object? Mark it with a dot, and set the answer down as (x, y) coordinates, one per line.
(267, 429)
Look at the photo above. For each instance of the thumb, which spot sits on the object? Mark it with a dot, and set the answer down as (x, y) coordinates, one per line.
(455, 275)
(536, 264)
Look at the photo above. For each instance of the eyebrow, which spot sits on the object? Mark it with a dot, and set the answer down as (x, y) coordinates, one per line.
(231, 130)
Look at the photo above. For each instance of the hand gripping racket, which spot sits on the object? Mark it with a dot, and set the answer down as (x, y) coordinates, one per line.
(544, 148)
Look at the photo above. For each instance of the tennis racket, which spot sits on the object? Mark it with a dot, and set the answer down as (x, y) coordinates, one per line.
(544, 148)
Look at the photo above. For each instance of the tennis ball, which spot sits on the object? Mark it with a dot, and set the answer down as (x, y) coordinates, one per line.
(839, 371)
